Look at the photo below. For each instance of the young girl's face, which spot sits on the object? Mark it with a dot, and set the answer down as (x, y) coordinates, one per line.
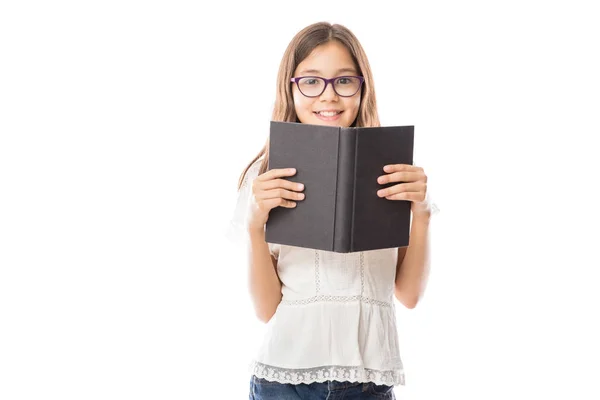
(328, 60)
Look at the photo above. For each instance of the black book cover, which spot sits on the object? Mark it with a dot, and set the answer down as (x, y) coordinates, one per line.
(339, 167)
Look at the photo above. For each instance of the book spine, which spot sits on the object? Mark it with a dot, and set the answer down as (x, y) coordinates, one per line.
(344, 193)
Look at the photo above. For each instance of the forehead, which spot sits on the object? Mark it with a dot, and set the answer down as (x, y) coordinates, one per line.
(326, 60)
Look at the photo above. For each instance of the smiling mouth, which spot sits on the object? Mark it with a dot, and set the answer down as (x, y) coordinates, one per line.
(328, 113)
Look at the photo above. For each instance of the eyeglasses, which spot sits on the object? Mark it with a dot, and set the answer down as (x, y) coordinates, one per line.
(314, 86)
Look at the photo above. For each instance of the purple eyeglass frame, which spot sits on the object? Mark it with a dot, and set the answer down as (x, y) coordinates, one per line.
(327, 82)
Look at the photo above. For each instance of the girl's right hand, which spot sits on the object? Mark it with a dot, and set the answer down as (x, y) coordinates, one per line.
(270, 191)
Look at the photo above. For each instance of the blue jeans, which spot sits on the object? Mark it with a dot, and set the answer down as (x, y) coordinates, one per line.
(262, 389)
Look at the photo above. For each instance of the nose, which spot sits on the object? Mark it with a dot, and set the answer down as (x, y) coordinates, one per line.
(329, 93)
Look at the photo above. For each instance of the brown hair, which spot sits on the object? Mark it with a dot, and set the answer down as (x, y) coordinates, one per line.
(299, 48)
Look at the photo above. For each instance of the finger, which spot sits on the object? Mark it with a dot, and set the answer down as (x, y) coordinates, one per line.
(411, 196)
(280, 183)
(402, 187)
(282, 193)
(269, 204)
(402, 176)
(276, 173)
(401, 167)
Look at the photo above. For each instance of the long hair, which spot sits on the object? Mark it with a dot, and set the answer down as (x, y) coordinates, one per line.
(299, 48)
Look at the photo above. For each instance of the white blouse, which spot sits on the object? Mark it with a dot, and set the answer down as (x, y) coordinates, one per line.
(336, 319)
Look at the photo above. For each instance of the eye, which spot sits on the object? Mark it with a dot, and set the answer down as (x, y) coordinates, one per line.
(344, 81)
(310, 81)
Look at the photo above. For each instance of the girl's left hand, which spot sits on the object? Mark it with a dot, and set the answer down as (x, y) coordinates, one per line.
(413, 188)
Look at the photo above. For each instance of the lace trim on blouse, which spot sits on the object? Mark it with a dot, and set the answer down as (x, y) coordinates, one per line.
(328, 372)
(343, 299)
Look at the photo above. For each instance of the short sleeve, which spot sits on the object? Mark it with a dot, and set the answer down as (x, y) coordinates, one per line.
(274, 249)
(236, 230)
(428, 203)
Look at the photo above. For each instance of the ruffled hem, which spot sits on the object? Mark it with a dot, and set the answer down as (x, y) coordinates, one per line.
(324, 333)
(326, 373)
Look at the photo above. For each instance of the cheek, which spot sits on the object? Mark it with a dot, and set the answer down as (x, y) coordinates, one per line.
(297, 101)
(302, 104)
(353, 104)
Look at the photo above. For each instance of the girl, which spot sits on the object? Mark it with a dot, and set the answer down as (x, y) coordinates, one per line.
(331, 329)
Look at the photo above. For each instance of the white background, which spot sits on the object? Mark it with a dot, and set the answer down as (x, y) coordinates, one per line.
(123, 129)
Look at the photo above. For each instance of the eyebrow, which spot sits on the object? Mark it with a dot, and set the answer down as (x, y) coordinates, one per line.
(316, 71)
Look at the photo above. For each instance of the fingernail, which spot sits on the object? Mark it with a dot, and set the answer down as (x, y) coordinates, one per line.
(300, 186)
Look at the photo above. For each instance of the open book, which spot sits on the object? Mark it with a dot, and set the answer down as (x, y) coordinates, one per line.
(339, 167)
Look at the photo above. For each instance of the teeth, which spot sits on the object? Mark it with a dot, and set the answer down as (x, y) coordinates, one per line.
(328, 113)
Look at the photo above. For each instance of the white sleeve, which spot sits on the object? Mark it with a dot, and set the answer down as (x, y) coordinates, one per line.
(428, 203)
(274, 249)
(236, 231)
